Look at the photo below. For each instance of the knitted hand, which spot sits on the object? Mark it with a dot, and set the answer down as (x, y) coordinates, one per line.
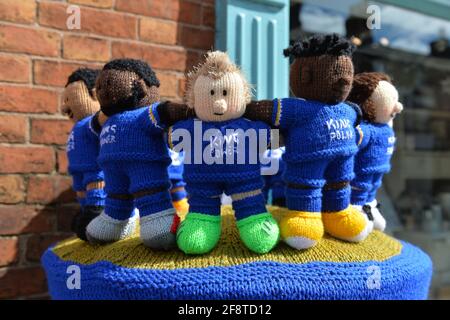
(171, 112)
(259, 111)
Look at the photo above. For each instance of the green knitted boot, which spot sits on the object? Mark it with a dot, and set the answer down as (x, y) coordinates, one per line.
(260, 233)
(198, 233)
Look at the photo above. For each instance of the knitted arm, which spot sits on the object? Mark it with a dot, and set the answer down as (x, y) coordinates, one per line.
(259, 111)
(363, 135)
(278, 112)
(171, 112)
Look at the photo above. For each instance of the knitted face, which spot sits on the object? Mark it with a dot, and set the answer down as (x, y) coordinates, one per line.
(219, 99)
(77, 102)
(119, 90)
(325, 78)
(217, 90)
(385, 102)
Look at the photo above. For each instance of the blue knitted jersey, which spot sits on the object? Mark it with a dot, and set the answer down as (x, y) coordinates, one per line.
(83, 147)
(376, 148)
(134, 135)
(315, 130)
(206, 145)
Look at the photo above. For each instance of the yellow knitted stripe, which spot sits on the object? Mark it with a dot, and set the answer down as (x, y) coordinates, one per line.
(361, 135)
(169, 138)
(230, 251)
(277, 119)
(152, 116)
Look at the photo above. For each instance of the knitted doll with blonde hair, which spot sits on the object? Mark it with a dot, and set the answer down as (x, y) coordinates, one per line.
(222, 156)
(318, 127)
(378, 99)
(80, 104)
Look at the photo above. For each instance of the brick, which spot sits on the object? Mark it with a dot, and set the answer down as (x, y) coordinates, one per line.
(62, 161)
(50, 131)
(9, 247)
(159, 58)
(94, 3)
(196, 38)
(13, 128)
(23, 11)
(20, 219)
(54, 73)
(190, 12)
(14, 68)
(27, 40)
(107, 23)
(37, 244)
(53, 14)
(50, 189)
(12, 189)
(25, 99)
(169, 85)
(152, 8)
(21, 282)
(85, 48)
(209, 17)
(158, 31)
(26, 159)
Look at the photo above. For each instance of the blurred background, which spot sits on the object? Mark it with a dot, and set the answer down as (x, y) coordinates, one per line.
(41, 44)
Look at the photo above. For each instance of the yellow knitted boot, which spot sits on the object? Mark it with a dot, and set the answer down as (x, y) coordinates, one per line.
(301, 230)
(349, 224)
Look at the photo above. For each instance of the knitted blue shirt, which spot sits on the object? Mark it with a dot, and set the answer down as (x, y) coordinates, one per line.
(201, 138)
(83, 147)
(376, 148)
(314, 130)
(134, 135)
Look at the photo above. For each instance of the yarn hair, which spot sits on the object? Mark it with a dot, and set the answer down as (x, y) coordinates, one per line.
(317, 45)
(88, 76)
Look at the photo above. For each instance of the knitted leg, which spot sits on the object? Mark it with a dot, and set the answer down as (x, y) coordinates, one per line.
(179, 197)
(379, 223)
(341, 220)
(157, 219)
(200, 232)
(257, 228)
(94, 204)
(118, 220)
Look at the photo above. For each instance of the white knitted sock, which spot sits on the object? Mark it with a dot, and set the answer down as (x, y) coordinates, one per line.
(156, 230)
(379, 223)
(104, 229)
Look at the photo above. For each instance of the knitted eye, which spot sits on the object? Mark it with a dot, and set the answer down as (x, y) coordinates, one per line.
(212, 92)
(224, 92)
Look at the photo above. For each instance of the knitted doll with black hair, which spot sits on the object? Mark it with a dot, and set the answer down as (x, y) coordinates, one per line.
(134, 156)
(80, 103)
(378, 99)
(222, 156)
(319, 132)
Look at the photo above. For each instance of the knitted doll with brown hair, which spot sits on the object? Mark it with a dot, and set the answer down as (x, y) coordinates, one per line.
(319, 132)
(222, 156)
(378, 99)
(80, 103)
(134, 156)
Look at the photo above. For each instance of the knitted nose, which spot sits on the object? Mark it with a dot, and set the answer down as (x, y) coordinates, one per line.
(219, 106)
(399, 107)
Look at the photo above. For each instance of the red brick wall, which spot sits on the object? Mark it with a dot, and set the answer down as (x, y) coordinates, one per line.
(37, 53)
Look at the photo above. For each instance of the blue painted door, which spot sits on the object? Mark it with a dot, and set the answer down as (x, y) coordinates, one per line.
(254, 33)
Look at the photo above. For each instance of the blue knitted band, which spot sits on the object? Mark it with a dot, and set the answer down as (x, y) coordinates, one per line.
(119, 209)
(249, 206)
(205, 205)
(359, 197)
(308, 200)
(336, 200)
(154, 203)
(278, 191)
(92, 176)
(178, 195)
(95, 197)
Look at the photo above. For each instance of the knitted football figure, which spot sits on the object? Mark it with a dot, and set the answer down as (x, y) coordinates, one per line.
(133, 156)
(223, 160)
(378, 99)
(80, 103)
(319, 132)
